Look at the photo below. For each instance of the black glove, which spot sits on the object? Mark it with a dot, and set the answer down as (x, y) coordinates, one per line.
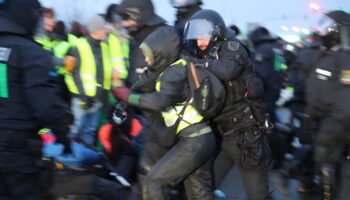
(65, 141)
(196, 61)
(86, 102)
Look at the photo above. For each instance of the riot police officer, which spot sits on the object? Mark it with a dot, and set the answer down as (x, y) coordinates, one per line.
(265, 51)
(184, 10)
(243, 142)
(327, 93)
(28, 101)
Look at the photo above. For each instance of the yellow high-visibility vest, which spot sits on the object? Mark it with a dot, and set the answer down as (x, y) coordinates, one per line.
(119, 54)
(44, 41)
(60, 49)
(88, 69)
(171, 114)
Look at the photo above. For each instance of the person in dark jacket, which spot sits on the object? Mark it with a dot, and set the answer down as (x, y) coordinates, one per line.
(265, 51)
(239, 122)
(139, 18)
(327, 91)
(189, 138)
(28, 102)
(184, 10)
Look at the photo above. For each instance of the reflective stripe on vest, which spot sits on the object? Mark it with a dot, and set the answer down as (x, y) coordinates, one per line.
(88, 69)
(171, 114)
(119, 52)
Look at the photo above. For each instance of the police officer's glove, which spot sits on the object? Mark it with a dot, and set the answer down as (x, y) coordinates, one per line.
(121, 93)
(65, 141)
(86, 102)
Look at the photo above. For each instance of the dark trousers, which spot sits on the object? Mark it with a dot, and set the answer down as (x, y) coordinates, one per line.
(20, 152)
(189, 160)
(21, 186)
(73, 182)
(255, 181)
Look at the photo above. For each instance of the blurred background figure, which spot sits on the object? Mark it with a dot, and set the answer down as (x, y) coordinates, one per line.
(184, 10)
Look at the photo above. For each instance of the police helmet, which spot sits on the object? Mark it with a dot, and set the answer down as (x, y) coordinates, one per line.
(184, 3)
(204, 24)
(24, 13)
(141, 11)
(334, 29)
(260, 34)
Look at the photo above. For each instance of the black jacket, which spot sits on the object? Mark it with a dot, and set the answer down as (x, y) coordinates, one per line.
(265, 68)
(32, 101)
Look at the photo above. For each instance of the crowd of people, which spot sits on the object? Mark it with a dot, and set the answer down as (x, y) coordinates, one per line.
(128, 107)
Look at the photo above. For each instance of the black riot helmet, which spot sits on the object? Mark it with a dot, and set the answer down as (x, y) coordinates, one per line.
(260, 35)
(24, 13)
(204, 24)
(184, 3)
(334, 29)
(141, 11)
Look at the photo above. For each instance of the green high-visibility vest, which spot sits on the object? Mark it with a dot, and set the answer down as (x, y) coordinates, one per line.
(72, 38)
(60, 49)
(171, 114)
(119, 53)
(88, 69)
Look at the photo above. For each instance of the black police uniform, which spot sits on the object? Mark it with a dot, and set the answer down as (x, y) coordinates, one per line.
(237, 123)
(264, 50)
(326, 98)
(243, 143)
(28, 102)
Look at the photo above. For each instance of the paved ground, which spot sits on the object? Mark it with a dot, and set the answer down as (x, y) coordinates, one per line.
(233, 188)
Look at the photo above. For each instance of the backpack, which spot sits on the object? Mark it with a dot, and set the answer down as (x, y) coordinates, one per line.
(207, 90)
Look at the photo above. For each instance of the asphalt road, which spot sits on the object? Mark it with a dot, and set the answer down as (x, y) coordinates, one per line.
(233, 188)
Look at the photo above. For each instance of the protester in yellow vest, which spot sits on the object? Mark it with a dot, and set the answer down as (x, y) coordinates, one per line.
(90, 80)
(42, 36)
(186, 135)
(118, 41)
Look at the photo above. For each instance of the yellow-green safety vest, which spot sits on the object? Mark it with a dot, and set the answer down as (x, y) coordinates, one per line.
(119, 53)
(60, 49)
(171, 114)
(72, 38)
(44, 41)
(88, 69)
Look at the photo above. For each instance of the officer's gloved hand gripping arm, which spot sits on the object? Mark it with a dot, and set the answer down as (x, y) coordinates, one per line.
(169, 93)
(230, 60)
(42, 94)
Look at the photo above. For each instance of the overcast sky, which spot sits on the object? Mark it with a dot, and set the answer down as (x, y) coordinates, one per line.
(271, 13)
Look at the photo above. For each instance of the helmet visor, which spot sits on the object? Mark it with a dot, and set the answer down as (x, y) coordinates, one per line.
(327, 25)
(182, 3)
(198, 29)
